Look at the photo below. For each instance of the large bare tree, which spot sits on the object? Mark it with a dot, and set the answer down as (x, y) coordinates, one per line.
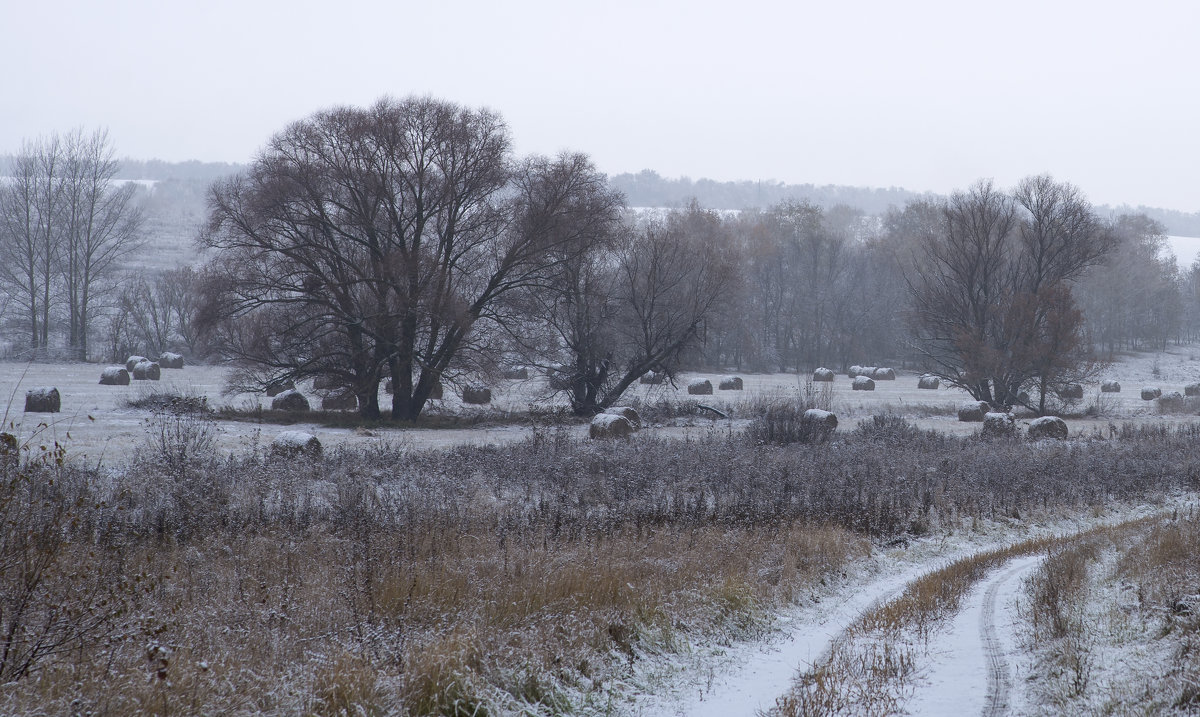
(365, 243)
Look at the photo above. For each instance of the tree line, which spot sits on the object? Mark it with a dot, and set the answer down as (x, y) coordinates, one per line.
(406, 243)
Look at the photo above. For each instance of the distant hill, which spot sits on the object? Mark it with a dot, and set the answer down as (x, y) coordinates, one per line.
(648, 189)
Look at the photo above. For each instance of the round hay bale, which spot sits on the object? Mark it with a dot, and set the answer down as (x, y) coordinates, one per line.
(610, 425)
(134, 361)
(822, 375)
(1047, 427)
(147, 371)
(929, 381)
(700, 387)
(340, 402)
(973, 411)
(515, 373)
(651, 378)
(628, 412)
(42, 400)
(114, 376)
(170, 360)
(1149, 393)
(278, 386)
(823, 421)
(324, 381)
(856, 371)
(290, 400)
(1192, 389)
(1114, 387)
(884, 374)
(1070, 391)
(290, 444)
(476, 395)
(998, 425)
(730, 383)
(862, 383)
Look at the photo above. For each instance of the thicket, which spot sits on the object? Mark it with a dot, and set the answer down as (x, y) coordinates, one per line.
(529, 576)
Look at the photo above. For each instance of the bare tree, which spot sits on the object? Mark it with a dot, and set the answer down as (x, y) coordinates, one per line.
(370, 242)
(991, 287)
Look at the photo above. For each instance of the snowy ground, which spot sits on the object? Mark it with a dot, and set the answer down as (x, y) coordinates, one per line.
(101, 427)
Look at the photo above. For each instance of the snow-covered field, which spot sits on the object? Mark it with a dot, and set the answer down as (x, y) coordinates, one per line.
(95, 423)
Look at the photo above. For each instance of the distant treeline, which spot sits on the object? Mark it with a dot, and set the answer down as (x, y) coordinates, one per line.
(648, 189)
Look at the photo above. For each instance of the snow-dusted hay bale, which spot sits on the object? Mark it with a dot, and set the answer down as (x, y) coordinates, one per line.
(1071, 390)
(610, 425)
(856, 371)
(295, 443)
(324, 381)
(824, 421)
(862, 383)
(277, 387)
(290, 400)
(114, 376)
(515, 373)
(134, 361)
(884, 374)
(822, 375)
(170, 360)
(42, 400)
(340, 402)
(1047, 427)
(997, 424)
(730, 383)
(628, 412)
(1149, 393)
(929, 382)
(700, 387)
(652, 378)
(1113, 387)
(973, 411)
(476, 395)
(147, 371)
(1192, 389)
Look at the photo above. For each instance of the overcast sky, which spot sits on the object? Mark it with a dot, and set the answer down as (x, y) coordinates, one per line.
(923, 95)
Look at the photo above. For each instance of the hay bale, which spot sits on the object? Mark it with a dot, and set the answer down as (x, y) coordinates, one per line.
(1192, 389)
(515, 373)
(998, 425)
(1047, 427)
(1114, 387)
(822, 375)
(700, 387)
(147, 371)
(42, 400)
(628, 412)
(114, 376)
(323, 382)
(730, 383)
(929, 381)
(1070, 391)
(290, 400)
(884, 374)
(278, 386)
(856, 371)
(290, 444)
(973, 411)
(170, 360)
(610, 425)
(1149, 393)
(476, 395)
(340, 402)
(862, 383)
(823, 421)
(652, 378)
(134, 361)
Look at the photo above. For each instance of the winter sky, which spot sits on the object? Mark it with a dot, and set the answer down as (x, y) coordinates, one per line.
(926, 95)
